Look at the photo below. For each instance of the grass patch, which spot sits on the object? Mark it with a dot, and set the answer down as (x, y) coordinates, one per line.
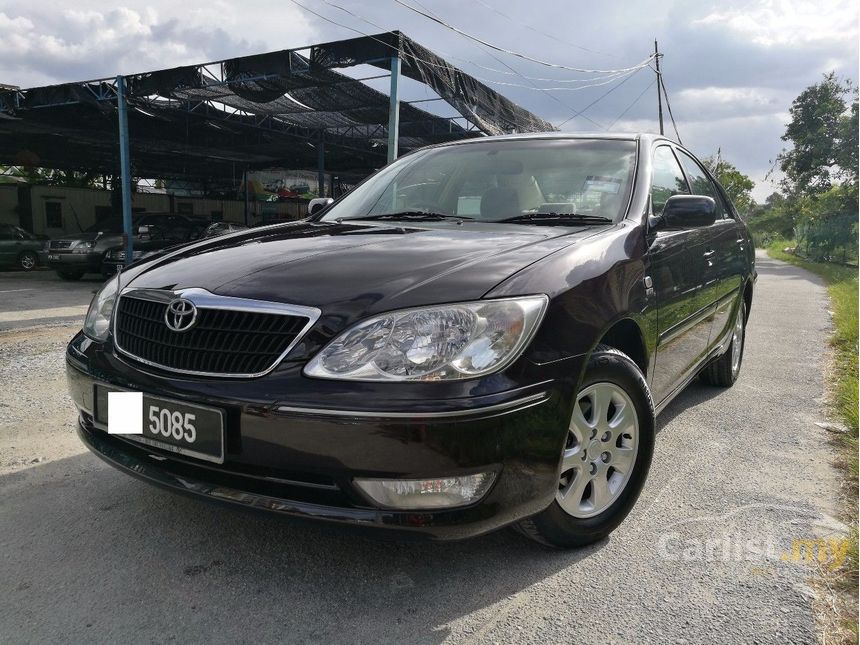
(842, 287)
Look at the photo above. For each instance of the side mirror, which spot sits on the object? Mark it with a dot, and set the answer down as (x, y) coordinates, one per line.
(687, 211)
(318, 203)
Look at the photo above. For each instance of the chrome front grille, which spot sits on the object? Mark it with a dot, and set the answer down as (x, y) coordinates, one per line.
(230, 337)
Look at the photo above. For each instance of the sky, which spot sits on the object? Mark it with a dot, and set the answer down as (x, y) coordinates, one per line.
(731, 68)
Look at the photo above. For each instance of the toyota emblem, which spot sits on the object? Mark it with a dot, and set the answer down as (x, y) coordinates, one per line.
(181, 315)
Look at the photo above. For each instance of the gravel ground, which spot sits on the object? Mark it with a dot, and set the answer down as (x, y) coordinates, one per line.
(88, 554)
(35, 423)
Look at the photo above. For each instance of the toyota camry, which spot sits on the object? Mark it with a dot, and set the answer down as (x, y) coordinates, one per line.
(479, 335)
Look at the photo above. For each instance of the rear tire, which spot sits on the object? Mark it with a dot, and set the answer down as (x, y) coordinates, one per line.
(606, 456)
(28, 261)
(724, 371)
(70, 275)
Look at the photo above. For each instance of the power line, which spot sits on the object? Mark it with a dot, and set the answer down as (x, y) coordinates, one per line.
(542, 33)
(518, 54)
(484, 67)
(669, 108)
(551, 96)
(613, 78)
(635, 101)
(576, 113)
(358, 31)
(603, 96)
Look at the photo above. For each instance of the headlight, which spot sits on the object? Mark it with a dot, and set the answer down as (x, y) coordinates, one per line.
(438, 343)
(97, 322)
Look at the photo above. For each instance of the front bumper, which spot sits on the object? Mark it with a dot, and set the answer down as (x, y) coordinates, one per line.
(110, 266)
(65, 260)
(294, 459)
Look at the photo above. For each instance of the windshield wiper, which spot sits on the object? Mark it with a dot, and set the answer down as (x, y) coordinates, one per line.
(426, 216)
(544, 218)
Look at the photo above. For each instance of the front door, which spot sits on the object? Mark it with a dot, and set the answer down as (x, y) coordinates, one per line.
(677, 270)
(724, 251)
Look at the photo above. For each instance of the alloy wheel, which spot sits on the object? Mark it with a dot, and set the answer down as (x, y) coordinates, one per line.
(27, 261)
(738, 340)
(600, 451)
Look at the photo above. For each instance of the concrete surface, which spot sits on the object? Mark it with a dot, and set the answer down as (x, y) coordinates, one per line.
(40, 297)
(88, 554)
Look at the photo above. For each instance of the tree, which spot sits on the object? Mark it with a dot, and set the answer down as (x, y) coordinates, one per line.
(823, 134)
(736, 184)
(847, 154)
(47, 176)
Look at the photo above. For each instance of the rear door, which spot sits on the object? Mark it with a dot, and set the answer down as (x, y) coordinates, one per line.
(676, 271)
(8, 247)
(724, 249)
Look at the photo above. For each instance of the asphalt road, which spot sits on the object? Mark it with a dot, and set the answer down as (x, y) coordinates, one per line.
(88, 554)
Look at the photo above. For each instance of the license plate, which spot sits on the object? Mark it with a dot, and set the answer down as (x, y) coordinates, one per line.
(175, 426)
(53, 257)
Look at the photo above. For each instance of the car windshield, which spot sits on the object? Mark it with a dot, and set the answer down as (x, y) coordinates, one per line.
(493, 181)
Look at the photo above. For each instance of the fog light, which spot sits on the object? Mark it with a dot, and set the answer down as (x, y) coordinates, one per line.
(413, 494)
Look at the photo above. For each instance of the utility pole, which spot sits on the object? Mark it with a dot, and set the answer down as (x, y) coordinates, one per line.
(659, 85)
(125, 169)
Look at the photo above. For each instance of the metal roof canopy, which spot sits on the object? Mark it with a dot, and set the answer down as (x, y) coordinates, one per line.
(211, 122)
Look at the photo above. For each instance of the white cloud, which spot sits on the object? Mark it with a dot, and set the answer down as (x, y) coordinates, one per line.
(50, 42)
(710, 102)
(789, 22)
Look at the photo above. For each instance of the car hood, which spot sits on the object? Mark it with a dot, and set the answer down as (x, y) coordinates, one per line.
(89, 236)
(354, 268)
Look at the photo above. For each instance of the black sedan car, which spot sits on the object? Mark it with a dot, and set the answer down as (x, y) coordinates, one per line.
(479, 335)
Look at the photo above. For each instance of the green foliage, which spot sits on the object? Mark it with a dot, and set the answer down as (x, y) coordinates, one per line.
(47, 176)
(736, 184)
(825, 229)
(771, 221)
(819, 209)
(823, 134)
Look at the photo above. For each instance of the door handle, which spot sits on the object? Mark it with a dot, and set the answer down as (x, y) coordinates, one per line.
(708, 254)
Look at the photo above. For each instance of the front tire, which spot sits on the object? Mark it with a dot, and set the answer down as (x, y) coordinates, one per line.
(606, 455)
(28, 261)
(724, 371)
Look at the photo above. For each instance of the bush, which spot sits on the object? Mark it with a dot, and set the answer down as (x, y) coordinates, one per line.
(831, 239)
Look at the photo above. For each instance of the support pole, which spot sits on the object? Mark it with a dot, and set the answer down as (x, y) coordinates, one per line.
(659, 86)
(246, 197)
(394, 110)
(321, 166)
(125, 169)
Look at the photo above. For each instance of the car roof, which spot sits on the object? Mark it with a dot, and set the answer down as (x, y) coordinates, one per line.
(645, 137)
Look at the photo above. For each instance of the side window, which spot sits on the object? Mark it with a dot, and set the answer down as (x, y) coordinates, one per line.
(701, 183)
(177, 228)
(667, 179)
